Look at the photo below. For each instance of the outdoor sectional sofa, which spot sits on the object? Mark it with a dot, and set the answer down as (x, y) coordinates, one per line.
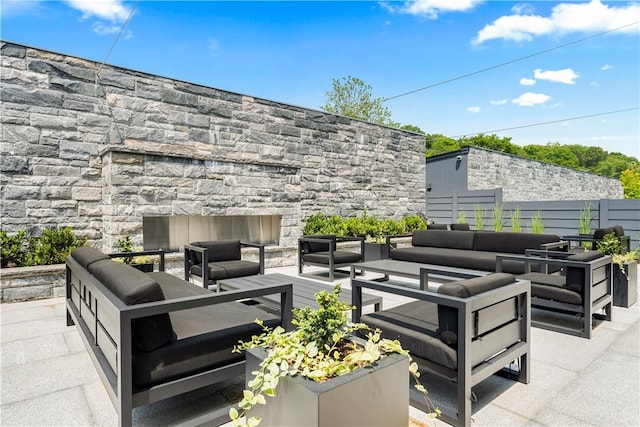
(473, 250)
(465, 332)
(153, 335)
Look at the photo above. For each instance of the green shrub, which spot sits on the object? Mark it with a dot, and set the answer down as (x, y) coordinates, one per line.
(367, 226)
(53, 246)
(14, 248)
(413, 223)
(462, 218)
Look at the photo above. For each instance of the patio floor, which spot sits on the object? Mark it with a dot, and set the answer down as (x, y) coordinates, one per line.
(47, 378)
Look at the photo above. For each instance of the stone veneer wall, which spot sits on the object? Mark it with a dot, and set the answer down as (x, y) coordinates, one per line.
(530, 180)
(99, 153)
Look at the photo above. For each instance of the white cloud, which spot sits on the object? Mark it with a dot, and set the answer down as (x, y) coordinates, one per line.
(566, 76)
(499, 102)
(527, 82)
(432, 8)
(606, 67)
(113, 10)
(102, 29)
(523, 25)
(530, 99)
(473, 110)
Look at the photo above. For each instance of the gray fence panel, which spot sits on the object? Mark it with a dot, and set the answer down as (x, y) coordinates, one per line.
(558, 216)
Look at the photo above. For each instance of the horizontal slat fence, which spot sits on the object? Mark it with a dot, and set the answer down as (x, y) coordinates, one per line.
(558, 216)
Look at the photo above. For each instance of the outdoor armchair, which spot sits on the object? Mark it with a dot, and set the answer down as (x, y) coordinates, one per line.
(598, 235)
(321, 250)
(464, 333)
(223, 261)
(581, 288)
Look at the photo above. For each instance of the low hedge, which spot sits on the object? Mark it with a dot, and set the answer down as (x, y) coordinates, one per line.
(371, 228)
(53, 246)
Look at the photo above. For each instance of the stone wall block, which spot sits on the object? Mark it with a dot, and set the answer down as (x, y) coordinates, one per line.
(40, 97)
(23, 78)
(62, 70)
(116, 78)
(86, 193)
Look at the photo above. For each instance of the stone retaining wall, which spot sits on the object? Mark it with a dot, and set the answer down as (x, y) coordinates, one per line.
(524, 179)
(99, 152)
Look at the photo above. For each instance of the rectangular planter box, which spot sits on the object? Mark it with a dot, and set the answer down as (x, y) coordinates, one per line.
(375, 396)
(375, 251)
(625, 290)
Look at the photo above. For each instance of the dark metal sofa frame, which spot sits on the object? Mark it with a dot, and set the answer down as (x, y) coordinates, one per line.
(331, 258)
(598, 280)
(98, 306)
(204, 253)
(474, 315)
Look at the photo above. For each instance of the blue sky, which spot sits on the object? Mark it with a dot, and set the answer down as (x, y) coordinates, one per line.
(291, 51)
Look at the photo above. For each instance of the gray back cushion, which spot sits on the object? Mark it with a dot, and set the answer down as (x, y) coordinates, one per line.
(220, 250)
(310, 247)
(132, 287)
(460, 226)
(87, 256)
(618, 230)
(448, 316)
(509, 242)
(443, 239)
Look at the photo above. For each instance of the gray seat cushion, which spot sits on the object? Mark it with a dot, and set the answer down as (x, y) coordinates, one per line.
(415, 325)
(204, 336)
(551, 287)
(228, 269)
(132, 286)
(339, 257)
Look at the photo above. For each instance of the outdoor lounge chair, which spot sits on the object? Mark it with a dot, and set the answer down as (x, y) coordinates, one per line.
(321, 250)
(464, 333)
(598, 235)
(582, 288)
(224, 261)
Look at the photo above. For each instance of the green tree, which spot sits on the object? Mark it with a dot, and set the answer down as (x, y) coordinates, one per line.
(438, 144)
(630, 179)
(352, 97)
(492, 142)
(614, 165)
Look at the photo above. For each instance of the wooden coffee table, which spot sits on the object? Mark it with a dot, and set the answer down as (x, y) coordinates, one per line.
(414, 270)
(303, 290)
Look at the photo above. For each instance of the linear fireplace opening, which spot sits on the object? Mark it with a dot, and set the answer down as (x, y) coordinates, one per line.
(172, 232)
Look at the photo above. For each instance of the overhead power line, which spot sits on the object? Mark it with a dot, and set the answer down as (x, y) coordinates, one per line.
(549, 122)
(493, 67)
(124, 25)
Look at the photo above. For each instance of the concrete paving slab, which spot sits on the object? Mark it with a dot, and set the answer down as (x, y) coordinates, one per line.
(32, 328)
(30, 350)
(42, 377)
(66, 407)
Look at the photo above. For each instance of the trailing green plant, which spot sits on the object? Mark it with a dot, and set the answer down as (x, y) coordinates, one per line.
(319, 349)
(462, 218)
(478, 214)
(610, 245)
(53, 246)
(516, 220)
(14, 248)
(537, 224)
(498, 217)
